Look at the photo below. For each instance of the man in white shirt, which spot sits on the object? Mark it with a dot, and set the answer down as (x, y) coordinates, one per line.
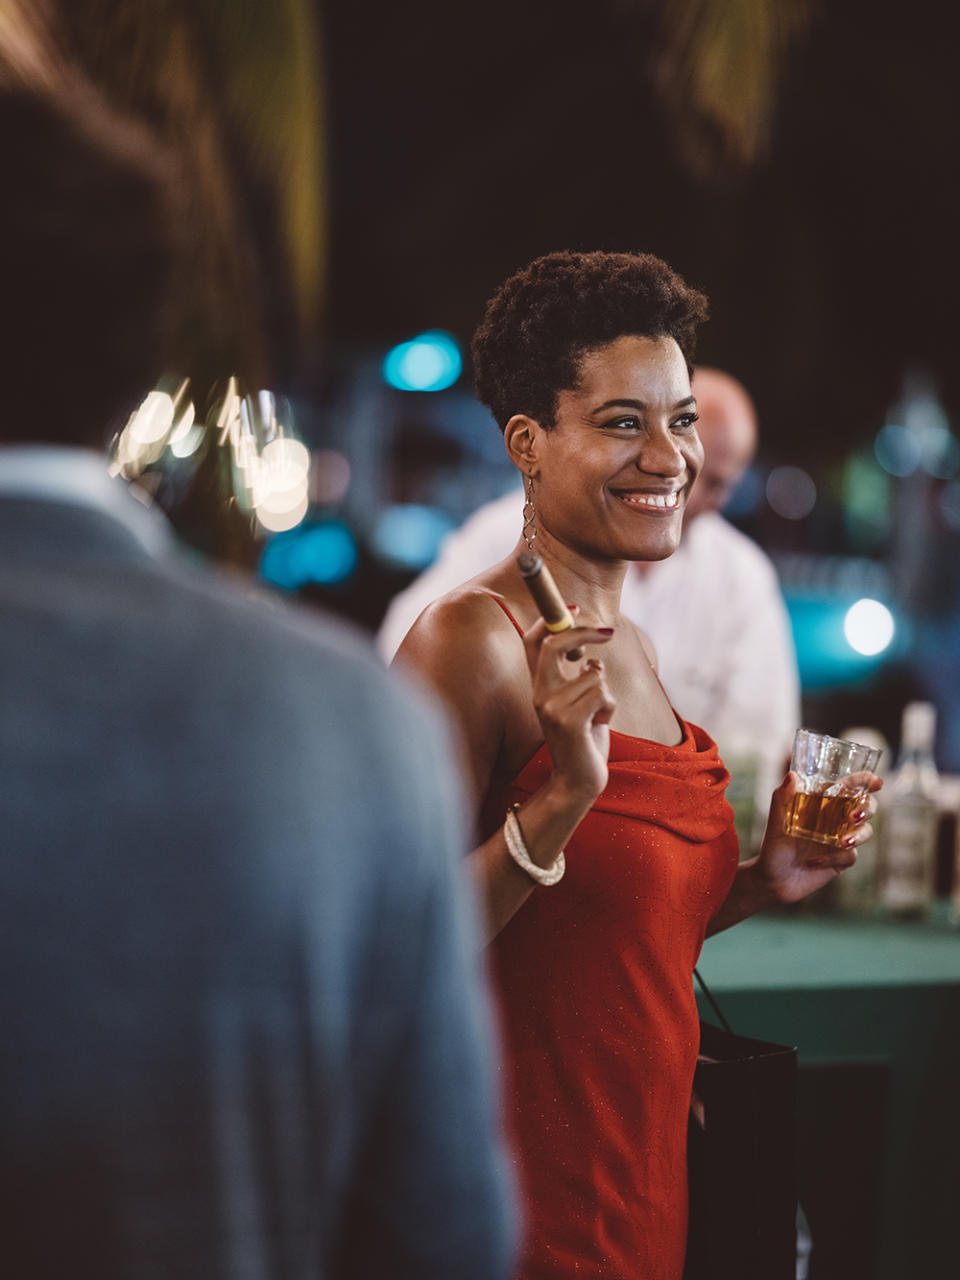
(713, 609)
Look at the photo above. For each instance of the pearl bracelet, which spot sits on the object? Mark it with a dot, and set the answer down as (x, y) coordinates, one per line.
(517, 849)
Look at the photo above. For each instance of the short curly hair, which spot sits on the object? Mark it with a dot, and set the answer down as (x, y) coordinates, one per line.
(542, 321)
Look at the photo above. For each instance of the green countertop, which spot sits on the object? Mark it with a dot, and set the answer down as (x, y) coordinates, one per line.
(776, 952)
(874, 1009)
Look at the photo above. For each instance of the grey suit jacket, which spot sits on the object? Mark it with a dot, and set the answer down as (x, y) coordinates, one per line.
(243, 1034)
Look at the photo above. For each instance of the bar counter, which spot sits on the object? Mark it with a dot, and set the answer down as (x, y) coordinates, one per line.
(874, 1009)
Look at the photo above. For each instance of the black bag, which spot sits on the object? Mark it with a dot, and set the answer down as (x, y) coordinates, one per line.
(742, 1160)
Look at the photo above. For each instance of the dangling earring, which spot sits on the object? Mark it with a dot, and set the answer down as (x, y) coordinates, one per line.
(529, 513)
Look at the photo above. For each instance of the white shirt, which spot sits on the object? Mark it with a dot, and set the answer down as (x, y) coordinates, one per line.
(713, 611)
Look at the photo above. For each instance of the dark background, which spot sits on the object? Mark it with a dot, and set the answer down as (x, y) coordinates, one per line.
(464, 141)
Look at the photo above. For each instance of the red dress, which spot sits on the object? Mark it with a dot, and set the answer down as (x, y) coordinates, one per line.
(599, 1022)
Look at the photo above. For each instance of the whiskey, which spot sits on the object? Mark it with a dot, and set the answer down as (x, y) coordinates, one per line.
(814, 815)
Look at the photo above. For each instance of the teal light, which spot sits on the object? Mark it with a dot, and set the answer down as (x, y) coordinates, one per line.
(826, 639)
(324, 553)
(746, 496)
(429, 362)
(409, 535)
(897, 450)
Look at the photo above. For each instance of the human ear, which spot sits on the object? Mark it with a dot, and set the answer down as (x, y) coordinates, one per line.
(521, 436)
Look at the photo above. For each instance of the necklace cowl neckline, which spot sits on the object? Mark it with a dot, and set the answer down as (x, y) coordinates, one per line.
(680, 788)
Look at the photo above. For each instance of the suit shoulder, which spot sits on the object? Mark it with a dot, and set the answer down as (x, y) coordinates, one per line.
(269, 617)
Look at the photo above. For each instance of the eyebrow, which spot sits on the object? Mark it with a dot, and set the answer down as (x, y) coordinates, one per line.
(639, 404)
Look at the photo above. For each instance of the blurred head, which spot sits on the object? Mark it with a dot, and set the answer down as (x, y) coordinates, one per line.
(86, 254)
(727, 428)
(539, 325)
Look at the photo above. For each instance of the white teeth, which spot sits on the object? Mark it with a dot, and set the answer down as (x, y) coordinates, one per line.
(668, 500)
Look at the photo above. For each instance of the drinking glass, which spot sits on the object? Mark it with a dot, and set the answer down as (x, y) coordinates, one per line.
(833, 775)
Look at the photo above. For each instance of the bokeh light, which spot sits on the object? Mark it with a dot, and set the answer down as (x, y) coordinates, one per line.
(825, 656)
(164, 418)
(746, 496)
(153, 419)
(940, 455)
(324, 553)
(288, 460)
(187, 433)
(791, 492)
(429, 362)
(409, 535)
(897, 450)
(281, 496)
(869, 627)
(867, 510)
(286, 514)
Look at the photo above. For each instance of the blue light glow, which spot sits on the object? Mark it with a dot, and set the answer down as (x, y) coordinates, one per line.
(826, 655)
(897, 450)
(746, 496)
(410, 535)
(941, 454)
(429, 362)
(323, 553)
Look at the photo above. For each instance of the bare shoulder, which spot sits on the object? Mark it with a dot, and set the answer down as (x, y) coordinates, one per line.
(466, 650)
(465, 630)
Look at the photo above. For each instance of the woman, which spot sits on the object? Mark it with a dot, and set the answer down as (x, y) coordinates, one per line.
(585, 361)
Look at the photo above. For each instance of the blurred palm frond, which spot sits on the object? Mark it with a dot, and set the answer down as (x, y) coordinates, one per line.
(232, 90)
(717, 65)
(235, 90)
(28, 51)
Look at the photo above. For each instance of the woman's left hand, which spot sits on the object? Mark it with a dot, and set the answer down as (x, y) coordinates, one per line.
(790, 867)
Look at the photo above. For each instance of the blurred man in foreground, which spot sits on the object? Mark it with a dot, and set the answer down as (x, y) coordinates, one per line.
(243, 1032)
(718, 586)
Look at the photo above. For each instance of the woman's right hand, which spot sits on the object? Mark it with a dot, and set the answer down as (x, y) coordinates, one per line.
(573, 704)
(472, 665)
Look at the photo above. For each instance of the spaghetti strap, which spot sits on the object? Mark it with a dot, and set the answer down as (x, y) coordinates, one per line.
(497, 600)
(682, 724)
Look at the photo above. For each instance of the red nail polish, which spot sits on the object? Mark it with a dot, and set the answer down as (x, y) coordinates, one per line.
(605, 631)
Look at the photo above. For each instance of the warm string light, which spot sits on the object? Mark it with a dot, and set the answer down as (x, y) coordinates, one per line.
(164, 418)
(269, 467)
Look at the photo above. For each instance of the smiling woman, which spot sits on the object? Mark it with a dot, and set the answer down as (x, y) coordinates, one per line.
(607, 850)
(624, 435)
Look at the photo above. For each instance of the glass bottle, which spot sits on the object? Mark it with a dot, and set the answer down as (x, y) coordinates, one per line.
(910, 804)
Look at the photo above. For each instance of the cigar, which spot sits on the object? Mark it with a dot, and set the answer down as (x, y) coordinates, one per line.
(546, 597)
